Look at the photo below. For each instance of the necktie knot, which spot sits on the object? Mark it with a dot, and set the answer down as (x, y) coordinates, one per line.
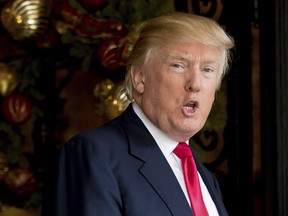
(182, 150)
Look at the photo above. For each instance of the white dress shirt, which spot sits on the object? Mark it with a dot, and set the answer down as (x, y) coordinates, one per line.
(167, 146)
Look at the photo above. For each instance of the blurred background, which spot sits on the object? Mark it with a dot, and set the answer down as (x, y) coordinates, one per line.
(62, 66)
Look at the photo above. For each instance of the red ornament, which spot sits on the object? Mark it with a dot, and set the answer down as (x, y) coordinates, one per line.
(17, 108)
(112, 53)
(94, 4)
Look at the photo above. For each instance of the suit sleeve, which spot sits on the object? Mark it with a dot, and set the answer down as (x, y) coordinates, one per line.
(82, 184)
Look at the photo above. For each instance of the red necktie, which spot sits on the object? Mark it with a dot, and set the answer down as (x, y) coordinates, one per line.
(183, 151)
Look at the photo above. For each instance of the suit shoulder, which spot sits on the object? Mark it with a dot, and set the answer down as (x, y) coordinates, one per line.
(107, 135)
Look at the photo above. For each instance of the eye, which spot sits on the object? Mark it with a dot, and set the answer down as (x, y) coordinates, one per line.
(177, 68)
(177, 65)
(207, 70)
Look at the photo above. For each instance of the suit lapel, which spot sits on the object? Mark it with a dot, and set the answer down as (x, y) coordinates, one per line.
(155, 169)
(161, 177)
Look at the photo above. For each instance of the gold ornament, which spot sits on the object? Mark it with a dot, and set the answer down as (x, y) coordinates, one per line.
(8, 79)
(111, 98)
(26, 19)
(117, 101)
(102, 90)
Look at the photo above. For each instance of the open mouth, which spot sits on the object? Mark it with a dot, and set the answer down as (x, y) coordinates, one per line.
(190, 108)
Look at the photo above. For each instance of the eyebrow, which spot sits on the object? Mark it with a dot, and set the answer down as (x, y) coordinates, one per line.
(178, 56)
(175, 56)
(188, 57)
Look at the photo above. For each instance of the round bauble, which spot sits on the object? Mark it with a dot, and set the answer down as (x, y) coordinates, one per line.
(26, 19)
(16, 108)
(116, 102)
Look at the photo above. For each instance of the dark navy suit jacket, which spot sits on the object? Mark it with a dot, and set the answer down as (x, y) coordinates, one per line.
(118, 169)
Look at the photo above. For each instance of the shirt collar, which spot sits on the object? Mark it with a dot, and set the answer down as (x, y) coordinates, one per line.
(165, 143)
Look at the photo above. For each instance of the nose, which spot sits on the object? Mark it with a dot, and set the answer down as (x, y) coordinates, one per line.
(193, 83)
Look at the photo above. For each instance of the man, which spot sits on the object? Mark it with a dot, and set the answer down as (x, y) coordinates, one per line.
(129, 166)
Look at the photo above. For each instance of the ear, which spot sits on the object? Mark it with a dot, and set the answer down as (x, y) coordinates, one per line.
(138, 79)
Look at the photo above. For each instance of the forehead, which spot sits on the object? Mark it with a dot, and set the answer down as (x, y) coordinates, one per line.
(189, 51)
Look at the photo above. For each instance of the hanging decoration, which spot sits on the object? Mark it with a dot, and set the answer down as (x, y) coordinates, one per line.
(116, 102)
(111, 98)
(26, 19)
(17, 108)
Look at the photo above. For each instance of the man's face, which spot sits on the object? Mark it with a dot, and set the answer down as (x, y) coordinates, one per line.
(177, 86)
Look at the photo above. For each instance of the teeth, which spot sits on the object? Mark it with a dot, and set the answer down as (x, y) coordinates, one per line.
(191, 104)
(189, 108)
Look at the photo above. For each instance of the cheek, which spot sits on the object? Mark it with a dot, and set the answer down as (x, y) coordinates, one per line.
(160, 93)
(156, 82)
(210, 86)
(209, 93)
(169, 89)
